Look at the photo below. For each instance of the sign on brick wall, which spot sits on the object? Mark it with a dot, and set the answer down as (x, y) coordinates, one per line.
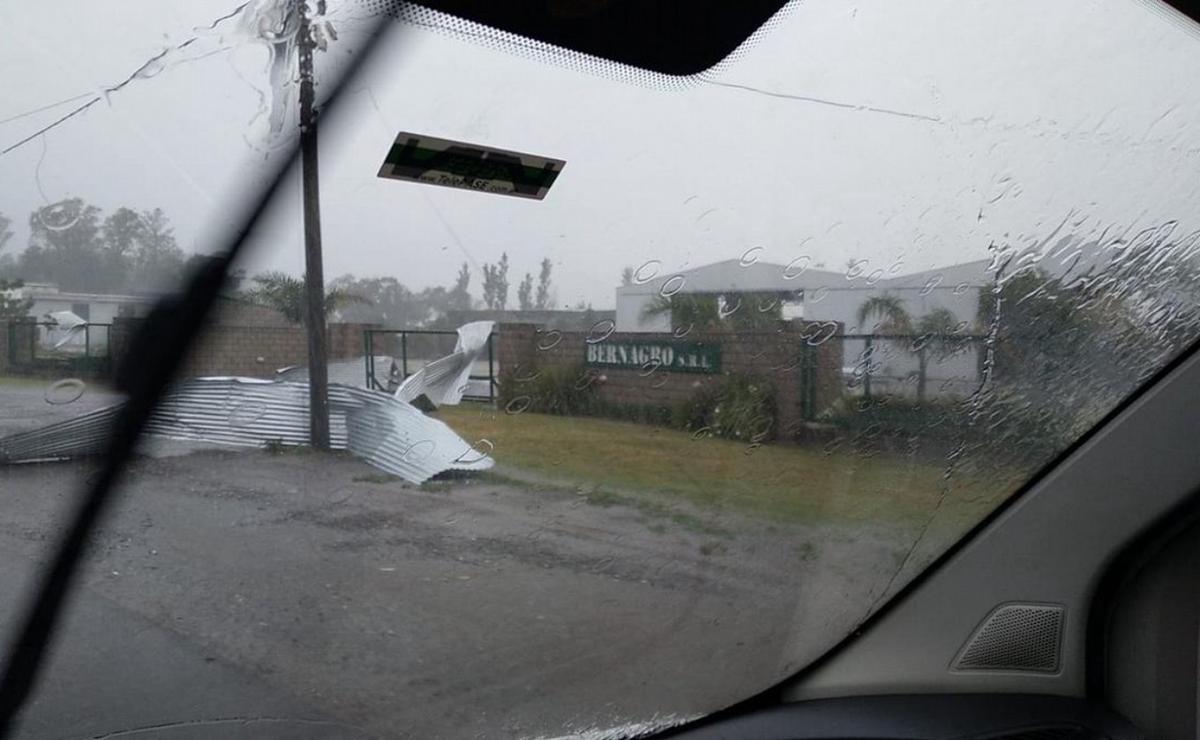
(682, 357)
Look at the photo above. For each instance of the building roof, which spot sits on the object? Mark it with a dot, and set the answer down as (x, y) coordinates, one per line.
(733, 276)
(50, 291)
(972, 273)
(574, 320)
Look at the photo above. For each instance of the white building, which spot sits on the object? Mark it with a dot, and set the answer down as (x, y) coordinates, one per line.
(823, 295)
(95, 308)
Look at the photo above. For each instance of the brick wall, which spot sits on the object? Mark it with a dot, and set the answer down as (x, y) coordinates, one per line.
(784, 358)
(240, 312)
(249, 351)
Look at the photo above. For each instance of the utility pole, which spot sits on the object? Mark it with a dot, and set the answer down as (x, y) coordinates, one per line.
(314, 270)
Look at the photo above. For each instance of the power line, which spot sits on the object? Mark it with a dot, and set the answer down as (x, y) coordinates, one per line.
(51, 125)
(45, 107)
(132, 76)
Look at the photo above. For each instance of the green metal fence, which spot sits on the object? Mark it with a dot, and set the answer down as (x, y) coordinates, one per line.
(46, 348)
(410, 350)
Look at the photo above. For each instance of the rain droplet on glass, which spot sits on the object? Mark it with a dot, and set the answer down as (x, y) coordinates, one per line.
(646, 272)
(750, 256)
(65, 391)
(601, 330)
(672, 285)
(796, 267)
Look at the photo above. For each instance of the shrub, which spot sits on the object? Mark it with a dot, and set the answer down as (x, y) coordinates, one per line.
(998, 420)
(741, 407)
(564, 391)
(895, 413)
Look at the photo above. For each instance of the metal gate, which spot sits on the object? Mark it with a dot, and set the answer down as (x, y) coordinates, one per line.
(411, 349)
(45, 348)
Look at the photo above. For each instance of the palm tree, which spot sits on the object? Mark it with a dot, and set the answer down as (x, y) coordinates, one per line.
(703, 311)
(891, 318)
(935, 338)
(890, 312)
(695, 310)
(285, 294)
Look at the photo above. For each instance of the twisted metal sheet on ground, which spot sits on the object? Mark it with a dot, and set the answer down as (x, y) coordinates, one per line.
(83, 435)
(388, 433)
(350, 371)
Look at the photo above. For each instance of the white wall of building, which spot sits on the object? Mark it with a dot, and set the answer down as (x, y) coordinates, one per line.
(96, 308)
(631, 307)
(829, 296)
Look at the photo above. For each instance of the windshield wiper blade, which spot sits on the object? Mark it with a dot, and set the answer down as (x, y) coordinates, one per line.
(156, 354)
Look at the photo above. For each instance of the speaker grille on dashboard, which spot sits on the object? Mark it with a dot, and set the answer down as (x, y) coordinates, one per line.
(1015, 637)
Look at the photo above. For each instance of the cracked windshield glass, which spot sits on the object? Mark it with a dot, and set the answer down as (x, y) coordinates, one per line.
(641, 392)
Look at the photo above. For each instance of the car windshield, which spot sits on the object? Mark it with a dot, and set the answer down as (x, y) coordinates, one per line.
(643, 391)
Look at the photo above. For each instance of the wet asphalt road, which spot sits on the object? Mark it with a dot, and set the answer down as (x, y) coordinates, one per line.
(243, 594)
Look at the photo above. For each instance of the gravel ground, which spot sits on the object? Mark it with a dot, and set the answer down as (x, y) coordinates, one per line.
(244, 594)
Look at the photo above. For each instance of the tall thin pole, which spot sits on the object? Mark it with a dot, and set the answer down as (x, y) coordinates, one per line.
(314, 270)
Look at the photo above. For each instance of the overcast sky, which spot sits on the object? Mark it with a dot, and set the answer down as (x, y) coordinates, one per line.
(906, 133)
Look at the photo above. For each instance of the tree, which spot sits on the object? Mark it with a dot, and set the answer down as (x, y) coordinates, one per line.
(233, 279)
(544, 299)
(889, 311)
(489, 286)
(126, 252)
(460, 296)
(1067, 348)
(753, 311)
(495, 284)
(525, 292)
(8, 264)
(65, 248)
(285, 294)
(698, 311)
(140, 249)
(936, 339)
(891, 318)
(389, 303)
(121, 232)
(1040, 326)
(627, 276)
(157, 260)
(726, 312)
(12, 306)
(5, 231)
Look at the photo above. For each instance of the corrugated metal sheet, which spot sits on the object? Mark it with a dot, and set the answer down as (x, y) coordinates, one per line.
(386, 432)
(346, 372)
(444, 381)
(83, 435)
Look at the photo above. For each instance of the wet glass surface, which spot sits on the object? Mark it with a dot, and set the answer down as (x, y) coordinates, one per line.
(776, 336)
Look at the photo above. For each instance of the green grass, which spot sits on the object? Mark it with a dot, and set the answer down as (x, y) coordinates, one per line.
(23, 381)
(617, 461)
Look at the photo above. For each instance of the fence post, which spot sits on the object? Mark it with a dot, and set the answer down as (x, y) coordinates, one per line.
(813, 371)
(403, 355)
(491, 370)
(369, 359)
(805, 379)
(868, 352)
